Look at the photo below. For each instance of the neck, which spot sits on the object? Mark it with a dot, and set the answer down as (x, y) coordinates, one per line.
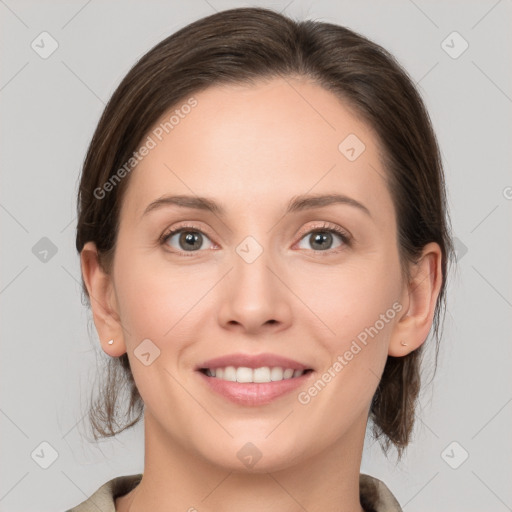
(175, 478)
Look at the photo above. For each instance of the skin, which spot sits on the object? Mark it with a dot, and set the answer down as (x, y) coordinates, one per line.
(252, 149)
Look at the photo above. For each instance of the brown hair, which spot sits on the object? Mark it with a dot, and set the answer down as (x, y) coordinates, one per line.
(242, 46)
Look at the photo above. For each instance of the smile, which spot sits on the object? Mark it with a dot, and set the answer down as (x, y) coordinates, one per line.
(256, 375)
(249, 392)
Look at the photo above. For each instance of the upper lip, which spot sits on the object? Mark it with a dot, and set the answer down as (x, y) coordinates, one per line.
(252, 361)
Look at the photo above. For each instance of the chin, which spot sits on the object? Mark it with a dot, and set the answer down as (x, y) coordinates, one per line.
(255, 458)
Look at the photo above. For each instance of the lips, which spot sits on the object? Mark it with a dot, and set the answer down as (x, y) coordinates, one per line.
(254, 393)
(252, 361)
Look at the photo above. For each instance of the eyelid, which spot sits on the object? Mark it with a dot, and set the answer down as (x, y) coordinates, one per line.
(171, 231)
(328, 226)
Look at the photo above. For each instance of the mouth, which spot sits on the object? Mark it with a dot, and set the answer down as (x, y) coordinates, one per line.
(263, 374)
(253, 380)
(257, 368)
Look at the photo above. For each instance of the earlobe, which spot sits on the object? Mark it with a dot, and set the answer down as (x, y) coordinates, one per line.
(421, 295)
(103, 304)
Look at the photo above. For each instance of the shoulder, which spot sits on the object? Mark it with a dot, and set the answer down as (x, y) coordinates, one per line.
(104, 498)
(375, 495)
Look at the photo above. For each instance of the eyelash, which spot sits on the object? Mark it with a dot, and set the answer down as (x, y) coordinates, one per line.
(345, 237)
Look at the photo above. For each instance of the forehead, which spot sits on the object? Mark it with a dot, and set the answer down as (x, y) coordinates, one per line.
(244, 144)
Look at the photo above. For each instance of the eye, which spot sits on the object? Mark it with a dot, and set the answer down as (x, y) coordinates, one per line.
(190, 239)
(185, 239)
(321, 238)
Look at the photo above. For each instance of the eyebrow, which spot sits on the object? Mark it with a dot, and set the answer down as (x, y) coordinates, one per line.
(296, 204)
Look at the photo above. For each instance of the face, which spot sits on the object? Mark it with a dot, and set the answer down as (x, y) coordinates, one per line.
(270, 271)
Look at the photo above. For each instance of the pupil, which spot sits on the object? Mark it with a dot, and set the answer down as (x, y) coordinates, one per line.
(319, 238)
(189, 240)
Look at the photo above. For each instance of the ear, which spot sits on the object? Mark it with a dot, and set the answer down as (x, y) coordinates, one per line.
(419, 301)
(103, 302)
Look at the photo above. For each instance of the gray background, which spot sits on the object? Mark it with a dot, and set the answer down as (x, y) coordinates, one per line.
(49, 108)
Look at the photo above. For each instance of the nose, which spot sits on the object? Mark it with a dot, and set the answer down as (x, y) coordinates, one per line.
(253, 298)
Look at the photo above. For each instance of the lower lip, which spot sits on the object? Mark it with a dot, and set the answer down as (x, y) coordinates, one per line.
(254, 393)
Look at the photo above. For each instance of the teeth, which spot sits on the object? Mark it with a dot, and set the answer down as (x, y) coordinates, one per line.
(230, 373)
(241, 374)
(244, 374)
(289, 373)
(262, 374)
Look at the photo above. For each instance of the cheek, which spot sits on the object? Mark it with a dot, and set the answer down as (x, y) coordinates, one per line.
(362, 309)
(357, 303)
(159, 305)
(157, 300)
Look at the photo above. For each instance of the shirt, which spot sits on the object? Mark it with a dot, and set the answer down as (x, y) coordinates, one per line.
(374, 495)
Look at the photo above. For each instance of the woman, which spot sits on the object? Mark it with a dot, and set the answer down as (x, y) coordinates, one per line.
(264, 244)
